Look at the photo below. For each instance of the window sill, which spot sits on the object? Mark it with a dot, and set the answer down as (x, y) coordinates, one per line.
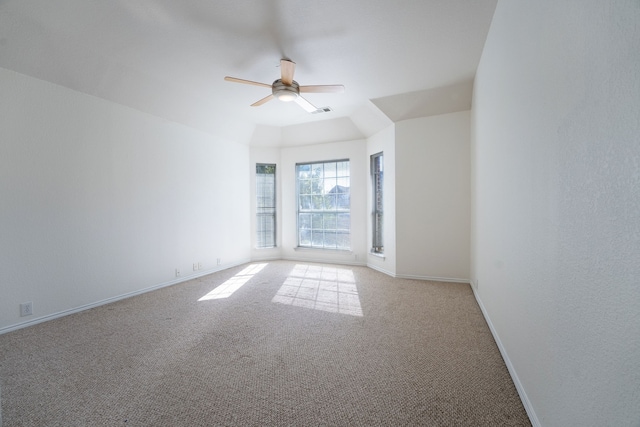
(338, 251)
(377, 255)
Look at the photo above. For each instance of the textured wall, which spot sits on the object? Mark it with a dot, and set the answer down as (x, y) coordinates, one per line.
(99, 200)
(433, 196)
(556, 208)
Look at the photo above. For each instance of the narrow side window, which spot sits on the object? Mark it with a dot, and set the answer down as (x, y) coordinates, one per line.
(265, 205)
(377, 180)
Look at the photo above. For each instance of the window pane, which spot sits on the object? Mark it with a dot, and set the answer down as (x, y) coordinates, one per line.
(316, 170)
(330, 240)
(344, 222)
(304, 171)
(317, 203)
(315, 186)
(317, 239)
(317, 222)
(343, 183)
(330, 222)
(377, 180)
(343, 240)
(305, 202)
(330, 185)
(266, 228)
(330, 170)
(330, 201)
(304, 221)
(305, 237)
(343, 169)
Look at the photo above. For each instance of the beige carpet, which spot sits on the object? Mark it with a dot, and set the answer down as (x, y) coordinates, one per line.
(281, 344)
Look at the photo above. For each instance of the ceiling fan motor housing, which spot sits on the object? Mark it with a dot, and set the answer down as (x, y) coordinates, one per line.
(285, 92)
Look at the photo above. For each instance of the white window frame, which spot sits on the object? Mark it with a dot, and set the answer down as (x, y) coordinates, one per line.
(323, 200)
(377, 203)
(265, 207)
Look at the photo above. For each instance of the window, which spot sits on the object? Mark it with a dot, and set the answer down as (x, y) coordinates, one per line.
(324, 218)
(377, 179)
(266, 205)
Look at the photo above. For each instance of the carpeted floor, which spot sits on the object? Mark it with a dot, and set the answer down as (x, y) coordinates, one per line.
(274, 344)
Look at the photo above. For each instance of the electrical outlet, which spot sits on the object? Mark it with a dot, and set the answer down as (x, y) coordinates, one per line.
(219, 261)
(26, 309)
(195, 266)
(177, 272)
(199, 266)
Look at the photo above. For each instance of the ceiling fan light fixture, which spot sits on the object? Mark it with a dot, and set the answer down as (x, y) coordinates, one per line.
(284, 92)
(286, 96)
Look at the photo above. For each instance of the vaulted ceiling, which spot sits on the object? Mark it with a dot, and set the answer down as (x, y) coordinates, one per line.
(397, 59)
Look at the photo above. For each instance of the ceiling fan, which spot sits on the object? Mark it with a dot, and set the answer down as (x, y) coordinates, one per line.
(286, 89)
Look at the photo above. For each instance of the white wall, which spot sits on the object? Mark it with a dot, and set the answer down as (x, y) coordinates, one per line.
(557, 205)
(356, 152)
(433, 197)
(383, 141)
(99, 201)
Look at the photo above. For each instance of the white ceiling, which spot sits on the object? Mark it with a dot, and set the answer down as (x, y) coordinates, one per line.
(168, 58)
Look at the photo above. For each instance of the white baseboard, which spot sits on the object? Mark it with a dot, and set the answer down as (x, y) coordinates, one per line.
(514, 376)
(381, 270)
(413, 277)
(78, 309)
(266, 259)
(433, 278)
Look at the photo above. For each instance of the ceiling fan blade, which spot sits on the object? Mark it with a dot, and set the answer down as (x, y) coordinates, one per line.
(309, 107)
(247, 82)
(322, 89)
(287, 68)
(263, 101)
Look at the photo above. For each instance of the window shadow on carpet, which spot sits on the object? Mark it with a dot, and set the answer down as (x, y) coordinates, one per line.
(323, 288)
(227, 289)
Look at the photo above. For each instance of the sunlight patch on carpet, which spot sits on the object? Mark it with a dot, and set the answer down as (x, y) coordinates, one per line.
(323, 288)
(227, 289)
